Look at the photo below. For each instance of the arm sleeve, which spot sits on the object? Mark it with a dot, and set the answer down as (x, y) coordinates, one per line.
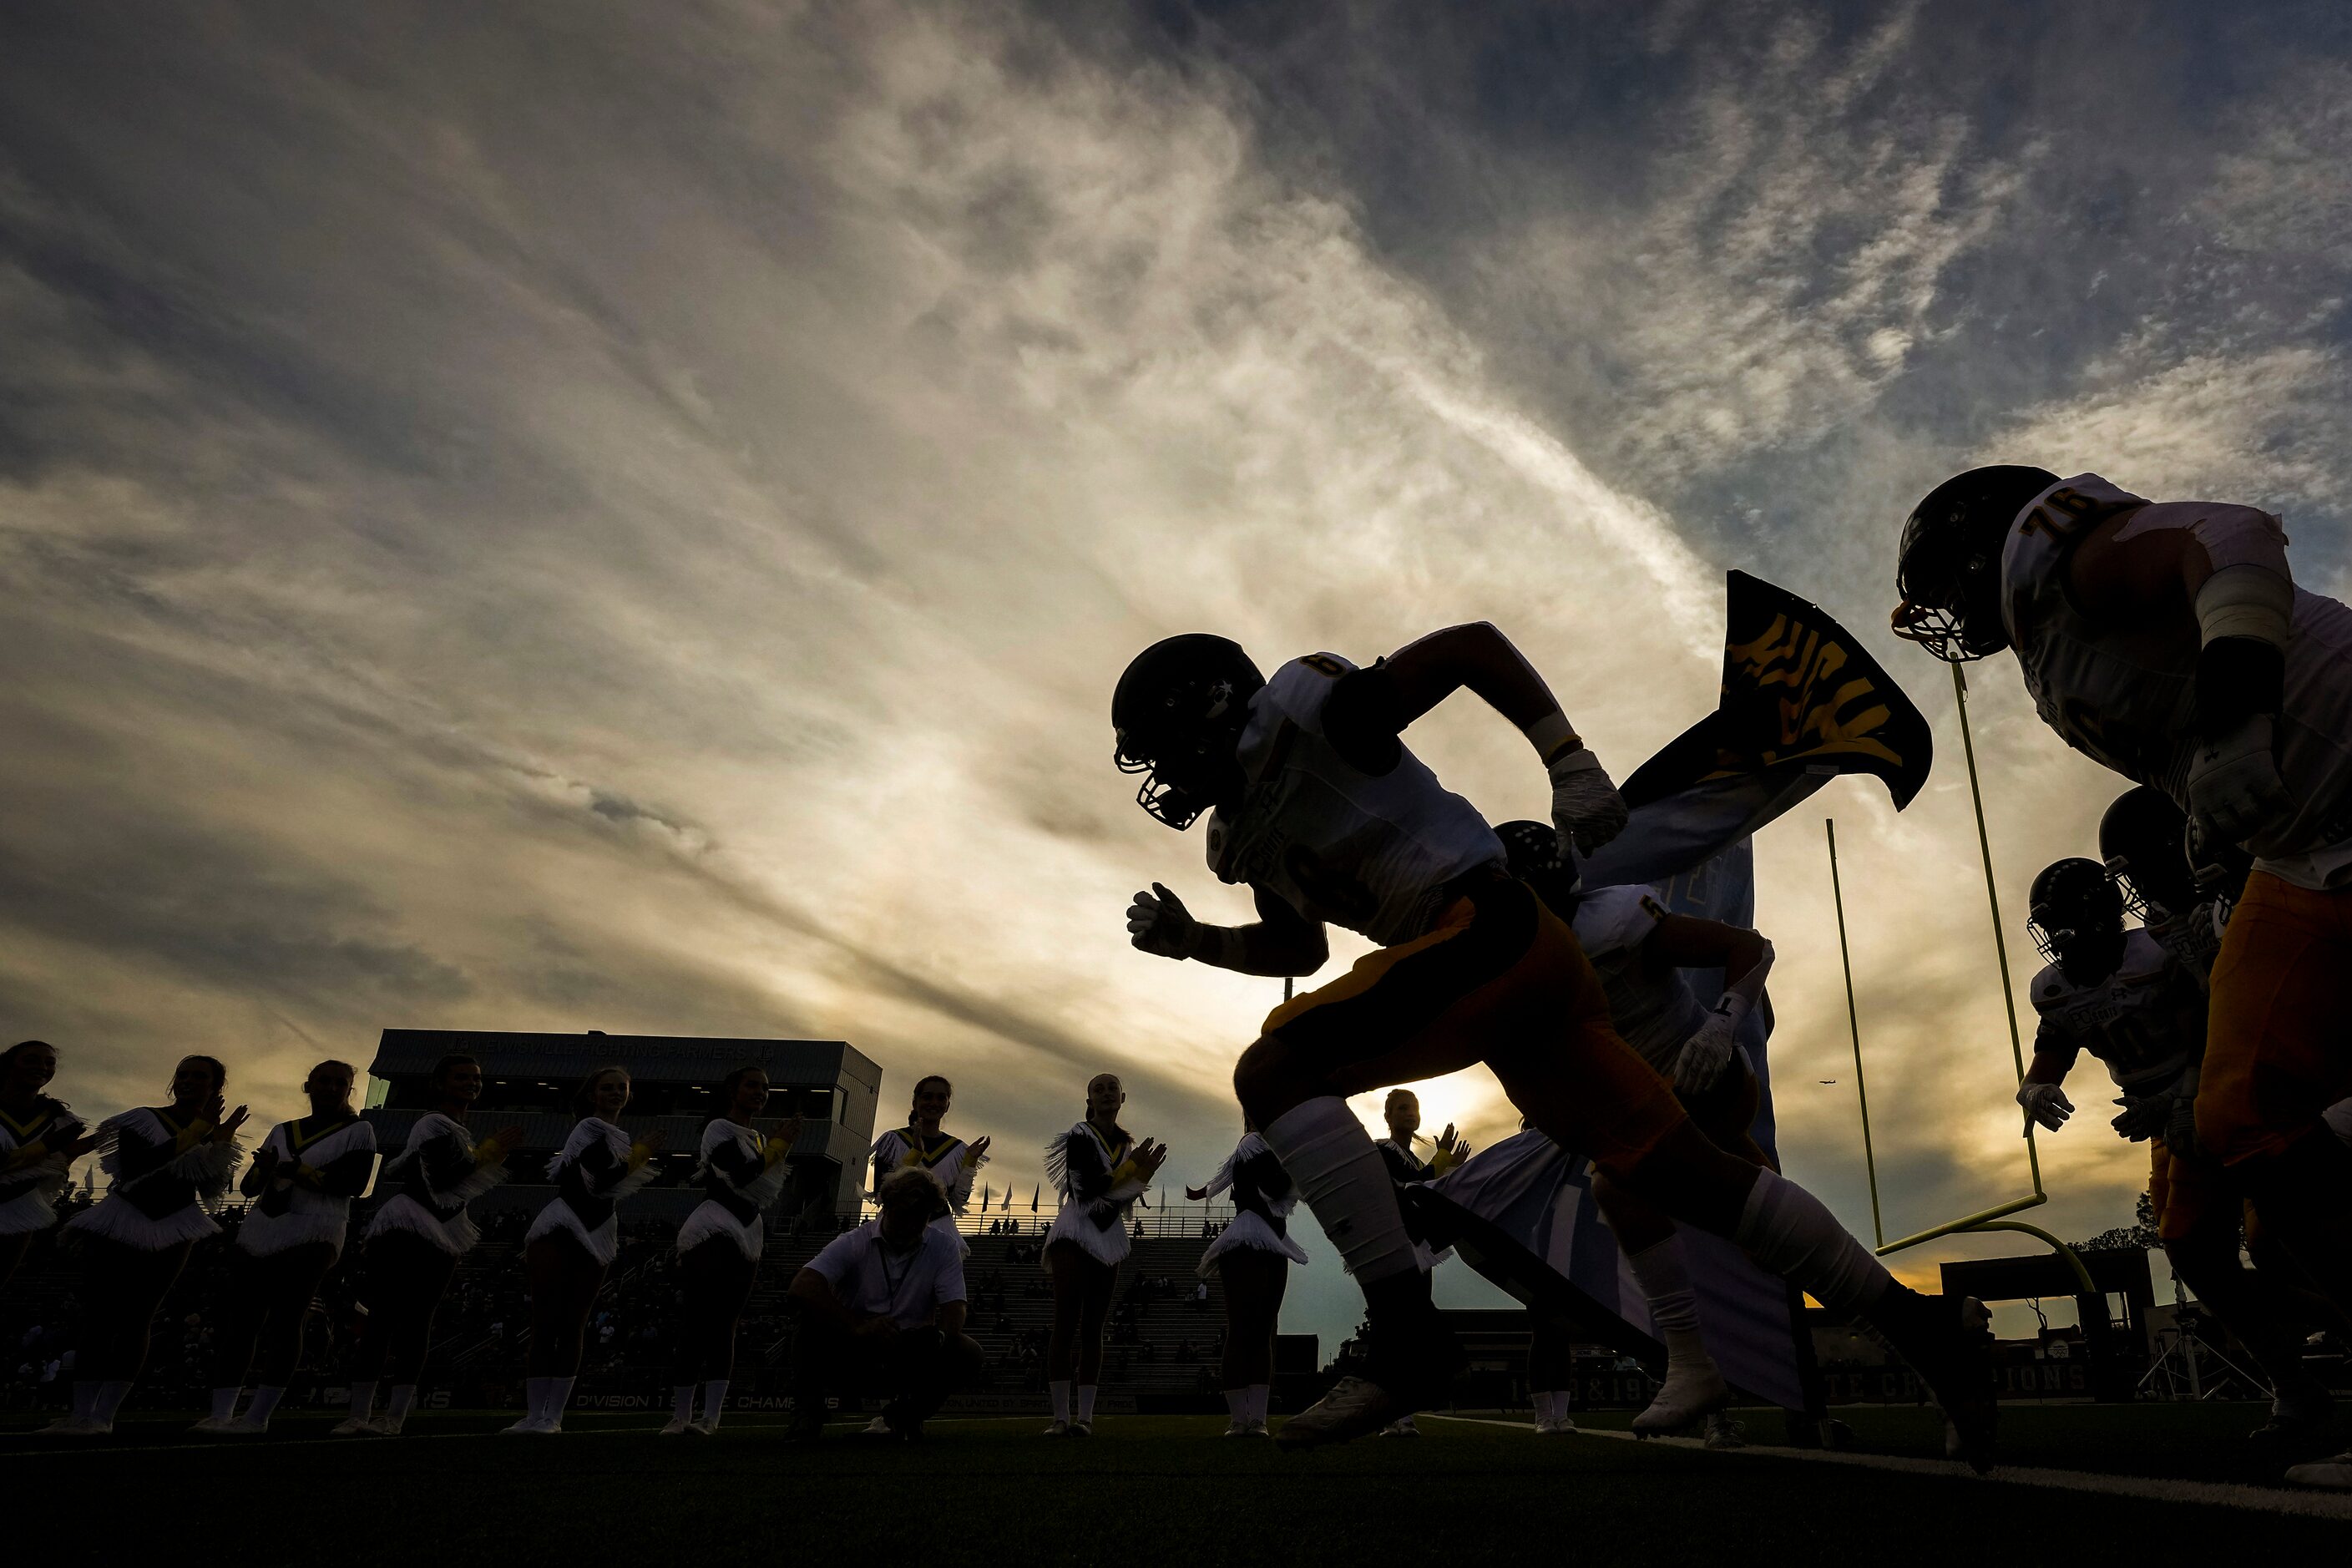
(951, 1287)
(2049, 1040)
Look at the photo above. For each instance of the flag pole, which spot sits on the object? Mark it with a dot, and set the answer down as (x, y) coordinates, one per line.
(1992, 899)
(1853, 1026)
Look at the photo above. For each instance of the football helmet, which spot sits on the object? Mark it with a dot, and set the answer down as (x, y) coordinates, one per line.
(1947, 568)
(1535, 855)
(1178, 713)
(2076, 918)
(2144, 839)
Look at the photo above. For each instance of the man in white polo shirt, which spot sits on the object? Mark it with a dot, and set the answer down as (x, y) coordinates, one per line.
(885, 1303)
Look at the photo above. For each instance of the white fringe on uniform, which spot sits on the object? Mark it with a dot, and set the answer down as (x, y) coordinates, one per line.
(711, 1218)
(457, 1236)
(603, 1243)
(36, 1208)
(1248, 1228)
(206, 1164)
(310, 1217)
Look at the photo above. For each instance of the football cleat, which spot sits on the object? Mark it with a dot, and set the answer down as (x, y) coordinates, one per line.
(1081, 1429)
(76, 1427)
(1058, 1429)
(1402, 1426)
(2336, 1473)
(678, 1426)
(1237, 1427)
(1556, 1426)
(1723, 1432)
(212, 1425)
(1356, 1407)
(532, 1427)
(1694, 1390)
(360, 1426)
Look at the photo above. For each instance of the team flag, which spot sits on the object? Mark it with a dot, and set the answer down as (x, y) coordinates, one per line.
(1801, 702)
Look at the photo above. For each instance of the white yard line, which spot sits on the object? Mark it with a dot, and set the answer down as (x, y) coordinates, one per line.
(2269, 1500)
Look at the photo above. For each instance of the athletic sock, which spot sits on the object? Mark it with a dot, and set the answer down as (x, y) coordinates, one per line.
(1787, 1231)
(1666, 1283)
(224, 1403)
(362, 1400)
(111, 1396)
(714, 1399)
(1085, 1404)
(681, 1401)
(1260, 1394)
(1237, 1403)
(404, 1399)
(1060, 1389)
(85, 1400)
(1337, 1171)
(1544, 1406)
(265, 1400)
(559, 1394)
(535, 1397)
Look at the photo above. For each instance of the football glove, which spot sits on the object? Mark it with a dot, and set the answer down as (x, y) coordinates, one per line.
(2143, 1116)
(2234, 788)
(1157, 923)
(2045, 1103)
(1708, 1052)
(1585, 805)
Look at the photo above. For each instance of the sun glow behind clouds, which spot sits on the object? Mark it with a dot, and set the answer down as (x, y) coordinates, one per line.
(638, 532)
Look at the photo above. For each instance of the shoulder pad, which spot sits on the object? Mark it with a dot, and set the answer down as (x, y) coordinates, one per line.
(2049, 988)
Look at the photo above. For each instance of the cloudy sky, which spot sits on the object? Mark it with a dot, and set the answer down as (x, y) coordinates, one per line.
(605, 516)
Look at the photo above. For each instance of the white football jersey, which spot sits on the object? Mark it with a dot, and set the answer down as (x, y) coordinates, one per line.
(2144, 1022)
(1654, 1010)
(1369, 853)
(2124, 695)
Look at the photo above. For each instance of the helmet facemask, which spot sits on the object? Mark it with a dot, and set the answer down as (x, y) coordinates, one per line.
(2076, 918)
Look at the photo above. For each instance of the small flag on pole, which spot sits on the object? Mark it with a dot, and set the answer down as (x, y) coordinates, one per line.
(1032, 1198)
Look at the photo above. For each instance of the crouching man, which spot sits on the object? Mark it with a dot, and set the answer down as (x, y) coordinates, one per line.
(883, 1306)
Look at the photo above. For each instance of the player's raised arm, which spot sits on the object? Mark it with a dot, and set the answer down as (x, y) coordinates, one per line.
(1282, 942)
(1370, 706)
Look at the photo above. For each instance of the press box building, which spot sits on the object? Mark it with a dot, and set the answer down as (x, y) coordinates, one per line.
(529, 1079)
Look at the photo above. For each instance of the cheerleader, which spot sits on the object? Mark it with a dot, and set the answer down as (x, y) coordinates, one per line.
(166, 1168)
(302, 1181)
(921, 1143)
(1251, 1258)
(741, 1171)
(39, 1142)
(1100, 1171)
(574, 1240)
(415, 1240)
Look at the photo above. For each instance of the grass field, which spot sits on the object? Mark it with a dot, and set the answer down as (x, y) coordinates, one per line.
(1144, 1490)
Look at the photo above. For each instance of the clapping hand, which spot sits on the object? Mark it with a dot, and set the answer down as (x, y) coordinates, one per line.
(1148, 1157)
(978, 1150)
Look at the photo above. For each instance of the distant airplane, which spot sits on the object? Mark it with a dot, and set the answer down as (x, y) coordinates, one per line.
(1829, 1080)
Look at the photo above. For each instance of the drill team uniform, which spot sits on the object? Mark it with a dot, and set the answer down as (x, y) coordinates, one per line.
(1263, 1199)
(739, 1181)
(159, 1193)
(943, 1154)
(1098, 1186)
(2145, 1024)
(28, 1193)
(592, 1175)
(437, 1180)
(1471, 965)
(2277, 1054)
(288, 1213)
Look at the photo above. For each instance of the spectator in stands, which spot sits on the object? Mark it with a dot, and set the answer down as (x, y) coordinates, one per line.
(885, 1302)
(1252, 1256)
(1100, 1171)
(168, 1166)
(302, 1181)
(414, 1243)
(742, 1170)
(921, 1143)
(39, 1142)
(574, 1240)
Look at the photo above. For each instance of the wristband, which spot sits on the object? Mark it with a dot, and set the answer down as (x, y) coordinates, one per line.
(1552, 736)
